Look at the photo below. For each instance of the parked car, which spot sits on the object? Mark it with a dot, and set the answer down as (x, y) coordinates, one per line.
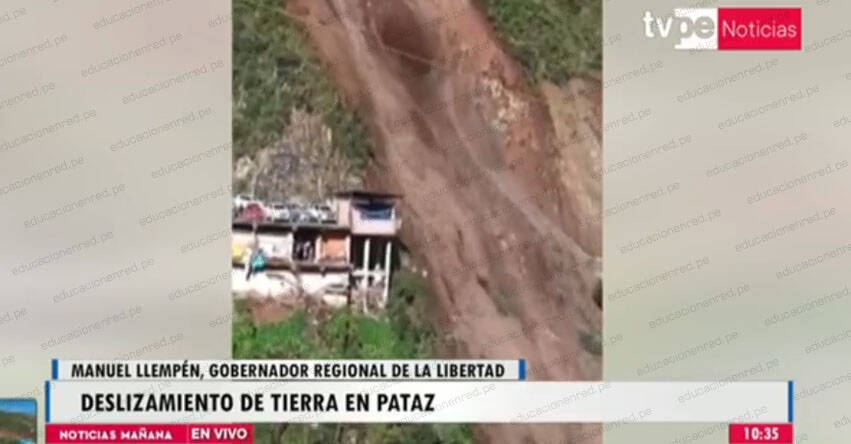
(253, 212)
(241, 200)
(314, 213)
(325, 214)
(304, 215)
(320, 214)
(279, 212)
(293, 210)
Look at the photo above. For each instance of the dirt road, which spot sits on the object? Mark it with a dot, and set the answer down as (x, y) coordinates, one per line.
(487, 207)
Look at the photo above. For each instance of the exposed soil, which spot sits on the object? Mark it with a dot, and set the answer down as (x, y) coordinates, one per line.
(269, 311)
(5, 434)
(498, 199)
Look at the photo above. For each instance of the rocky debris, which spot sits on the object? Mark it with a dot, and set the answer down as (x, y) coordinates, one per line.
(305, 163)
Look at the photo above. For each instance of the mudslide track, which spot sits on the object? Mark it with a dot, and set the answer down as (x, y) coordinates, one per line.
(486, 209)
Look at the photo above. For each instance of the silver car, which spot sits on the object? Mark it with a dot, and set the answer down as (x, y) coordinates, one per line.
(279, 212)
(325, 214)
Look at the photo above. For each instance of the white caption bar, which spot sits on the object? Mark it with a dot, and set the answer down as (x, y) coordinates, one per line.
(108, 402)
(420, 369)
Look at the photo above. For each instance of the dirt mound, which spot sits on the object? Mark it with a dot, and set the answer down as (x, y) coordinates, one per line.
(509, 241)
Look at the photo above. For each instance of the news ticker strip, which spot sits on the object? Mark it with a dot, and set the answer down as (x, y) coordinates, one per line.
(149, 433)
(285, 369)
(244, 433)
(495, 401)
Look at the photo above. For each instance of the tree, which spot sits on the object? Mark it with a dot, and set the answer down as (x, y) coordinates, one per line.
(303, 162)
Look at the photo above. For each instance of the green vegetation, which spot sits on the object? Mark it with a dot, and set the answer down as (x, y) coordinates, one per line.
(592, 342)
(274, 72)
(401, 333)
(15, 425)
(553, 39)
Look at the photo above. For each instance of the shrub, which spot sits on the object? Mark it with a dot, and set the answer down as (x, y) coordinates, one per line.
(274, 72)
(553, 39)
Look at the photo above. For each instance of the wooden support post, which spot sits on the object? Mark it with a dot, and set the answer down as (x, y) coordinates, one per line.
(365, 282)
(387, 259)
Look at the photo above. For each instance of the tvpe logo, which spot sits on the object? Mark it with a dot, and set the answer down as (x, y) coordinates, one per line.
(727, 28)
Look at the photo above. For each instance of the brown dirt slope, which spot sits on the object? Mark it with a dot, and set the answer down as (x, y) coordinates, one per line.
(503, 233)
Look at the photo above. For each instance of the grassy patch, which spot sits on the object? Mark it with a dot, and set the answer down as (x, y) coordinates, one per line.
(592, 342)
(401, 333)
(16, 425)
(274, 71)
(553, 39)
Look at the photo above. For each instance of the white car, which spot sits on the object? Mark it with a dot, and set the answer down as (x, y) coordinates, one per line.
(280, 212)
(305, 215)
(326, 215)
(321, 214)
(241, 200)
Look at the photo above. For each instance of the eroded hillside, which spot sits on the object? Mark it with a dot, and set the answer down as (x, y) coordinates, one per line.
(500, 202)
